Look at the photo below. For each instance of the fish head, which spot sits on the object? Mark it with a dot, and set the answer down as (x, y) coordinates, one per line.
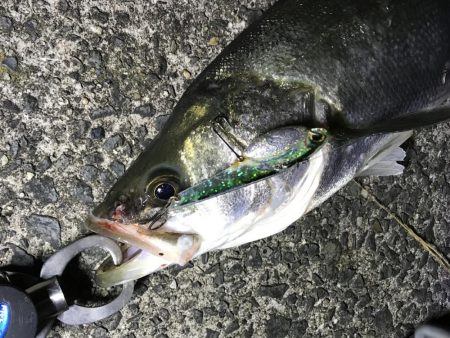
(141, 208)
(183, 153)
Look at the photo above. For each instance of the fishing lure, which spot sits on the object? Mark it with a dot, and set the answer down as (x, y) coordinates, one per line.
(253, 166)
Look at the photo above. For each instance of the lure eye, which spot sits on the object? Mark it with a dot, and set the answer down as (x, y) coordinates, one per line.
(316, 136)
(164, 191)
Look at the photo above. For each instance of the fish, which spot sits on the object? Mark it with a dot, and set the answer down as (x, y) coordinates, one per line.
(308, 97)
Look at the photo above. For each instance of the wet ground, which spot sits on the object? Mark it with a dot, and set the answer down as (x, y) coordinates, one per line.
(84, 86)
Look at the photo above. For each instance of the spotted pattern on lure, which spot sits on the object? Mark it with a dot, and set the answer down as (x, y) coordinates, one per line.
(249, 169)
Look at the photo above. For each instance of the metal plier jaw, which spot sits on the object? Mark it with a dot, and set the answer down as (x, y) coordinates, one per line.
(47, 296)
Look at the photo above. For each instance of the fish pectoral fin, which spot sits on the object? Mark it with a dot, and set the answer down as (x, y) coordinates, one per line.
(415, 120)
(384, 162)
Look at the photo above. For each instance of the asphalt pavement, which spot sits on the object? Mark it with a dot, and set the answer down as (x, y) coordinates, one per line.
(85, 85)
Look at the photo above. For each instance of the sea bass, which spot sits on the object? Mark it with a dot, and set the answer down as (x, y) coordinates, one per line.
(308, 97)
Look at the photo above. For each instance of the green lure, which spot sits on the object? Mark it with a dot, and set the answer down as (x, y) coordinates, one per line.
(251, 169)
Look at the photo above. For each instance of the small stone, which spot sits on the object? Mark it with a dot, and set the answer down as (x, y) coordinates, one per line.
(346, 275)
(11, 62)
(4, 160)
(292, 298)
(214, 41)
(160, 121)
(97, 133)
(198, 316)
(162, 65)
(383, 321)
(204, 258)
(85, 101)
(82, 192)
(173, 285)
(331, 251)
(111, 323)
(30, 102)
(63, 161)
(89, 173)
(46, 227)
(98, 332)
(29, 176)
(358, 282)
(6, 23)
(106, 178)
(386, 271)
(10, 106)
(370, 241)
(321, 293)
(96, 29)
(164, 314)
(273, 291)
(102, 112)
(13, 148)
(253, 259)
(219, 278)
(233, 326)
(277, 326)
(236, 269)
(117, 168)
(31, 27)
(359, 221)
(187, 74)
(377, 227)
(122, 18)
(146, 110)
(44, 164)
(113, 142)
(141, 132)
(421, 296)
(42, 190)
(19, 256)
(364, 193)
(298, 328)
(99, 15)
(212, 334)
(95, 58)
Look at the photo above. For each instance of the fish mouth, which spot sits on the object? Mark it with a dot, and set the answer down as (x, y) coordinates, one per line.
(178, 248)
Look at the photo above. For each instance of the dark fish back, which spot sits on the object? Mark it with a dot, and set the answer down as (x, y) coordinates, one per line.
(371, 61)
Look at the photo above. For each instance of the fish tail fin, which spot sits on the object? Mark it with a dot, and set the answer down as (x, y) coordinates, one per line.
(384, 162)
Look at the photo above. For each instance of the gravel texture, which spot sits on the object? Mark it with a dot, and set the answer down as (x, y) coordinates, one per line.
(85, 85)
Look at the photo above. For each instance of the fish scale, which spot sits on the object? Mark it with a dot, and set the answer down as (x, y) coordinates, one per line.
(365, 71)
(370, 60)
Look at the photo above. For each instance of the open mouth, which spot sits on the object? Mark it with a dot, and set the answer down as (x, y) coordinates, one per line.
(176, 248)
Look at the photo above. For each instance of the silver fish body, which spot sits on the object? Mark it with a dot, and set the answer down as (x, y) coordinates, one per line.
(268, 206)
(361, 70)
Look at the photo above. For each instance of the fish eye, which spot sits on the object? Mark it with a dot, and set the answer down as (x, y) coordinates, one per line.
(316, 135)
(164, 191)
(163, 187)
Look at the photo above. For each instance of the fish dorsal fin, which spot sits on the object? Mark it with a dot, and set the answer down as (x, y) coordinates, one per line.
(384, 162)
(415, 120)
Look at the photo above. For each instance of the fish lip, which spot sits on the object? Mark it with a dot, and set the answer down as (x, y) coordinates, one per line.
(95, 224)
(157, 242)
(122, 232)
